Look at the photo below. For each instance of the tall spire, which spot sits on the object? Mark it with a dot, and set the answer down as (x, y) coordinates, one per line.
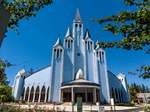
(58, 42)
(87, 34)
(77, 16)
(68, 32)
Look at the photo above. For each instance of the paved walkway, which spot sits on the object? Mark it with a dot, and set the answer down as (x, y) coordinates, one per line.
(86, 108)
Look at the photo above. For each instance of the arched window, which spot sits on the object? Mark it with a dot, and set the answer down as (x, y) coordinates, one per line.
(97, 54)
(42, 94)
(120, 96)
(112, 93)
(100, 56)
(91, 44)
(69, 44)
(80, 25)
(31, 94)
(76, 25)
(47, 94)
(27, 94)
(57, 53)
(37, 94)
(88, 45)
(116, 92)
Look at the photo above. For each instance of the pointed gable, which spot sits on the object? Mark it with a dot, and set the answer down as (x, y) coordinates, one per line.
(58, 42)
(87, 35)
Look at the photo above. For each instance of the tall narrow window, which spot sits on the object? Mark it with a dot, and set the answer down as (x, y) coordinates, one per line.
(27, 94)
(68, 43)
(37, 94)
(42, 94)
(57, 53)
(60, 52)
(112, 93)
(31, 94)
(71, 43)
(100, 56)
(91, 45)
(97, 54)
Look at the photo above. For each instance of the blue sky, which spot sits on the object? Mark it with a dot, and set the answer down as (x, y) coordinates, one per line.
(32, 47)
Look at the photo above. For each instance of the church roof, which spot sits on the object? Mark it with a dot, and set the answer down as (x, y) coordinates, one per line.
(58, 42)
(69, 33)
(80, 82)
(87, 34)
(77, 16)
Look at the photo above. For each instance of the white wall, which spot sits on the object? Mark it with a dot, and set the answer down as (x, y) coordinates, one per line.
(39, 78)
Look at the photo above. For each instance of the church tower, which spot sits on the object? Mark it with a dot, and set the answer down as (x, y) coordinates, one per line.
(69, 57)
(101, 69)
(88, 57)
(18, 85)
(57, 71)
(78, 43)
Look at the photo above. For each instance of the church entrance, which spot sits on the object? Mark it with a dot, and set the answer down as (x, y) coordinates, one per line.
(82, 95)
(89, 95)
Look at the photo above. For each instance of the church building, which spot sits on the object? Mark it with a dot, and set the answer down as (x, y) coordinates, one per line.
(78, 69)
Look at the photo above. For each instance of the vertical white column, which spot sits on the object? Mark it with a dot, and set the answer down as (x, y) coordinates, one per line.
(34, 95)
(94, 95)
(29, 95)
(72, 95)
(86, 95)
(61, 96)
(39, 96)
(45, 95)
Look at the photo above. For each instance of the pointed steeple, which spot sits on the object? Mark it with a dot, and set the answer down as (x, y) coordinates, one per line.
(87, 34)
(77, 16)
(58, 42)
(68, 32)
(97, 45)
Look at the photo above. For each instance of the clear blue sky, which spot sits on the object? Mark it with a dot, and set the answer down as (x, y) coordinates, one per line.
(32, 48)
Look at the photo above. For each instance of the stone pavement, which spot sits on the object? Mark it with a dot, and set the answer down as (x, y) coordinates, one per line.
(86, 108)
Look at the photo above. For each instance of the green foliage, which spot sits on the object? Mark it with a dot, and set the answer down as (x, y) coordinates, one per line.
(134, 26)
(20, 9)
(5, 93)
(144, 72)
(147, 109)
(3, 66)
(5, 90)
(134, 89)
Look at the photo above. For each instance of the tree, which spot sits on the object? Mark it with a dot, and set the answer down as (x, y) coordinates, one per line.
(5, 89)
(3, 66)
(134, 26)
(133, 90)
(18, 10)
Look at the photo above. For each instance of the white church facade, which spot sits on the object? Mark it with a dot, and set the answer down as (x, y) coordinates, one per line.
(78, 69)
